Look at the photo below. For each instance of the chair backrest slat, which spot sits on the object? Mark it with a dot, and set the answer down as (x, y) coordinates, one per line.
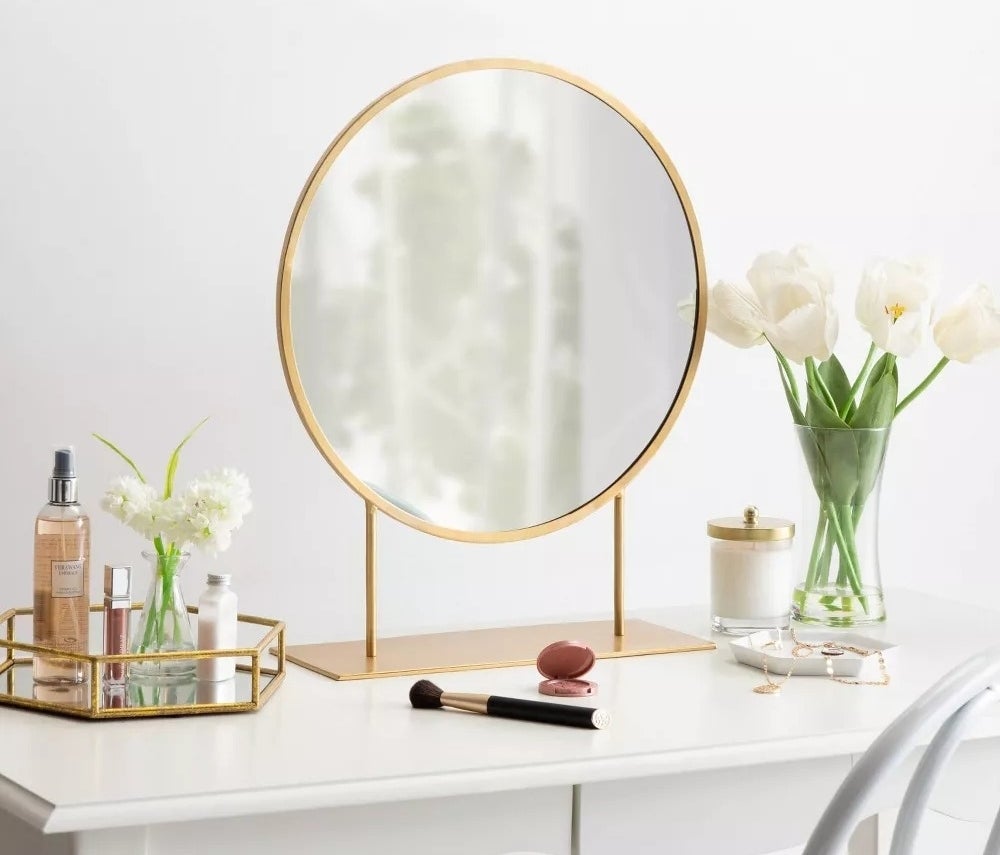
(938, 753)
(993, 843)
(941, 703)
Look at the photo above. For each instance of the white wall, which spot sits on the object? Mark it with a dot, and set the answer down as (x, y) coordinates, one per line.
(150, 156)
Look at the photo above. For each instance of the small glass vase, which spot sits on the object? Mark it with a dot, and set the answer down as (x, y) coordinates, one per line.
(165, 626)
(841, 584)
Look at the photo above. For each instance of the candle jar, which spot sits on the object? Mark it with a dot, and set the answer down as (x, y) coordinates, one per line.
(752, 572)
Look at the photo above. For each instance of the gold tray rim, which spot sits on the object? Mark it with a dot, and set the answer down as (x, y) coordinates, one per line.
(273, 638)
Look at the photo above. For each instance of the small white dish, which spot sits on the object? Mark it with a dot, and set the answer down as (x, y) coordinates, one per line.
(748, 650)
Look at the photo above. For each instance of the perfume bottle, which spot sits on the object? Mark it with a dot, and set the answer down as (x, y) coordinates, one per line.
(62, 577)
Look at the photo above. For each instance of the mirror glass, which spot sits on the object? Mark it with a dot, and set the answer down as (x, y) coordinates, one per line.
(483, 299)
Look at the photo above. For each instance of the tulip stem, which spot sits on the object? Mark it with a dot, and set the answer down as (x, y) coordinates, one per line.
(862, 376)
(786, 369)
(923, 385)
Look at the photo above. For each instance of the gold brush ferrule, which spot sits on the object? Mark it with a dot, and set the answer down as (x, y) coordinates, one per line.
(465, 701)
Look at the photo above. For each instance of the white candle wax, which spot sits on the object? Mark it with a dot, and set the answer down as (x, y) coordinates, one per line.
(751, 580)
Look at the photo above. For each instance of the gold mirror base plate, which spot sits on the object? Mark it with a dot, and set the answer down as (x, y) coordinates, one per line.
(485, 648)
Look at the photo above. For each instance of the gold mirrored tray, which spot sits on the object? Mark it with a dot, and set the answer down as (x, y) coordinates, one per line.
(98, 698)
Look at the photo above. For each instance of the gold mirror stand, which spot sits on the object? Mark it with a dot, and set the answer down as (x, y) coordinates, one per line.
(484, 648)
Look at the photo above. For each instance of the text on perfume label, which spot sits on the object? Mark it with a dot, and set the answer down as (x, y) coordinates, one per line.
(67, 578)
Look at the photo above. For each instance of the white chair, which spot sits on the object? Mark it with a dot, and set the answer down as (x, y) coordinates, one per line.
(951, 704)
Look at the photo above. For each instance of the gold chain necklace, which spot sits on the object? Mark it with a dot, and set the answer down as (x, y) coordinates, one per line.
(829, 649)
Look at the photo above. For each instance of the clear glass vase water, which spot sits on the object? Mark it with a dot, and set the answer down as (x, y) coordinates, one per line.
(165, 626)
(840, 582)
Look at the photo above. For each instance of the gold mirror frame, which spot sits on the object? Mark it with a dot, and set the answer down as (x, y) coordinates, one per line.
(376, 502)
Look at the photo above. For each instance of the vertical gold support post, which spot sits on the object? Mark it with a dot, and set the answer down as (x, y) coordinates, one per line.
(370, 594)
(619, 566)
(95, 687)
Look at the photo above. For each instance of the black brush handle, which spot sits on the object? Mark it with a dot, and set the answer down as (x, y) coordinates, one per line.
(547, 713)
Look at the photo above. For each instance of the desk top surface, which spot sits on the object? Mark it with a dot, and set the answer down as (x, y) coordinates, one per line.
(320, 743)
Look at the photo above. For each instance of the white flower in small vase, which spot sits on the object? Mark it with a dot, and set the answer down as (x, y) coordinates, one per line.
(130, 501)
(213, 506)
(205, 513)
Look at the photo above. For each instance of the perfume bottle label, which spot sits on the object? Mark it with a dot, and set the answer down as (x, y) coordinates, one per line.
(67, 578)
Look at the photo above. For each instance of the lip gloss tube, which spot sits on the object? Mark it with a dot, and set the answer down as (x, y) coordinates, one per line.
(117, 610)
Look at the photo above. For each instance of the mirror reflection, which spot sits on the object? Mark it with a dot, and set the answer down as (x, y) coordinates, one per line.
(483, 299)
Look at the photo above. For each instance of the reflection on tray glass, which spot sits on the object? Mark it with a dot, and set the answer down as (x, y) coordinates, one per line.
(18, 682)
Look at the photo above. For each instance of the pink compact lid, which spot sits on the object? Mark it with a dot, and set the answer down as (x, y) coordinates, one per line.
(565, 660)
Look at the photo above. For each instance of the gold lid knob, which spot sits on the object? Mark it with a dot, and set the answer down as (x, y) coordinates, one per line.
(751, 526)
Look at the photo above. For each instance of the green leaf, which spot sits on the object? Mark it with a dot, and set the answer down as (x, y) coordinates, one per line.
(872, 445)
(814, 461)
(832, 458)
(121, 454)
(816, 382)
(837, 382)
(885, 365)
(818, 412)
(876, 412)
(175, 459)
(878, 404)
(839, 451)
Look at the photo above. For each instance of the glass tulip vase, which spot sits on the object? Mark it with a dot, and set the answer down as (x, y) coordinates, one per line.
(841, 583)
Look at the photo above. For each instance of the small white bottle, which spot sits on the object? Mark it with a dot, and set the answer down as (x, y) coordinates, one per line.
(217, 627)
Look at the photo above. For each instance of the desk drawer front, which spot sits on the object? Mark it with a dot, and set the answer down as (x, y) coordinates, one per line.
(708, 812)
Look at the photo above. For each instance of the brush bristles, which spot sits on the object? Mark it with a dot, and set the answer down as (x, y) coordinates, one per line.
(424, 695)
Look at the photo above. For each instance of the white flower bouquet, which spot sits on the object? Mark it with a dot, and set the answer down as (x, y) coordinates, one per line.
(204, 513)
(843, 423)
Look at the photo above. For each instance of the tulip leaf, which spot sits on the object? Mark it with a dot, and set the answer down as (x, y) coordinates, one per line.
(818, 412)
(878, 404)
(837, 382)
(872, 446)
(837, 464)
(814, 461)
(840, 450)
(885, 365)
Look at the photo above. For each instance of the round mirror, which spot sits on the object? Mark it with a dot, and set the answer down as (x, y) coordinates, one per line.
(478, 300)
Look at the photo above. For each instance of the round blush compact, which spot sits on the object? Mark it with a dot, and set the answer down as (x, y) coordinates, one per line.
(562, 664)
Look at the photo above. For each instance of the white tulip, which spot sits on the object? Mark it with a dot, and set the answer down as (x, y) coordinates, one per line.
(794, 295)
(733, 314)
(894, 304)
(971, 327)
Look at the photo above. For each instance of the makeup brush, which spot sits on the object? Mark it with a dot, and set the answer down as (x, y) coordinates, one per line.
(424, 695)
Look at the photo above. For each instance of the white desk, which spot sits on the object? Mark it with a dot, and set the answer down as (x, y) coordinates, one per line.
(694, 762)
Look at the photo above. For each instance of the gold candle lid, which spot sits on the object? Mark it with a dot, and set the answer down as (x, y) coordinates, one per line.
(751, 526)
